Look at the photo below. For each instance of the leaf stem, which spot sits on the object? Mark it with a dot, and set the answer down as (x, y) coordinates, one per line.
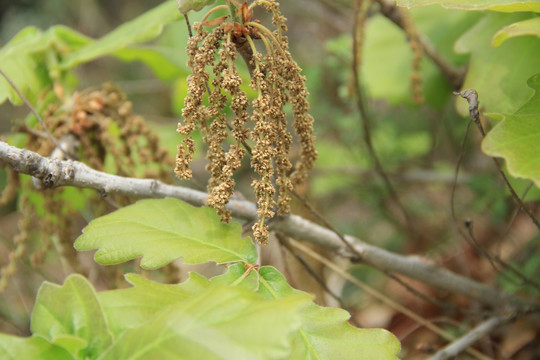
(249, 268)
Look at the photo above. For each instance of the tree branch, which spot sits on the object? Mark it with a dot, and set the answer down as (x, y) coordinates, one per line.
(471, 337)
(53, 173)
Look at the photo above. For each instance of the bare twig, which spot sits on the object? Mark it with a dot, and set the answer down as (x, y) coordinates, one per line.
(456, 171)
(414, 175)
(514, 215)
(472, 98)
(364, 116)
(423, 296)
(286, 244)
(54, 173)
(36, 114)
(326, 223)
(188, 25)
(33, 132)
(496, 262)
(458, 346)
(359, 256)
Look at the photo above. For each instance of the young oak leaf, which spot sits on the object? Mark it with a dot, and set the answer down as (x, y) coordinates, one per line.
(163, 230)
(70, 315)
(517, 137)
(35, 347)
(221, 322)
(520, 28)
(132, 307)
(325, 332)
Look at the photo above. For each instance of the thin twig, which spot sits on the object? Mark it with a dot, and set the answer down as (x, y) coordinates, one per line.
(358, 257)
(472, 98)
(36, 114)
(33, 132)
(514, 216)
(365, 117)
(496, 262)
(423, 296)
(326, 223)
(441, 319)
(456, 171)
(380, 296)
(283, 240)
(188, 25)
(455, 348)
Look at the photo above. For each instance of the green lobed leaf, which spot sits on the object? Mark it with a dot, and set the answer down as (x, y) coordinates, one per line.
(499, 74)
(35, 348)
(495, 5)
(220, 323)
(520, 28)
(517, 137)
(325, 332)
(162, 61)
(185, 6)
(22, 59)
(210, 319)
(17, 62)
(141, 29)
(132, 307)
(71, 310)
(162, 230)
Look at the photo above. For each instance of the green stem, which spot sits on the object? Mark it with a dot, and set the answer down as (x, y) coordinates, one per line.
(213, 10)
(267, 32)
(268, 46)
(276, 14)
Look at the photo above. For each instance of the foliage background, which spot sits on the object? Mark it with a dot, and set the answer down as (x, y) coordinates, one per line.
(419, 146)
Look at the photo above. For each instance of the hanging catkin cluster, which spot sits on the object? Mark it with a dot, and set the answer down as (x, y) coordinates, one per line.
(96, 126)
(259, 126)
